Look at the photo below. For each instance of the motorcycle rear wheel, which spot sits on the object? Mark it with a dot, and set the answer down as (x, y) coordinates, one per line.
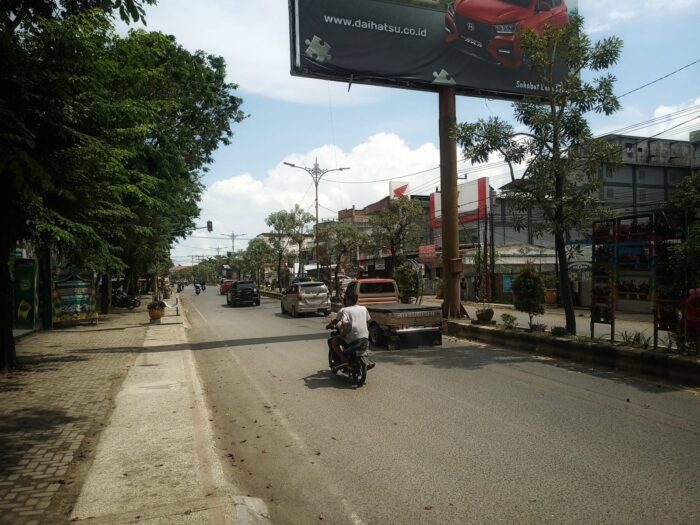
(361, 376)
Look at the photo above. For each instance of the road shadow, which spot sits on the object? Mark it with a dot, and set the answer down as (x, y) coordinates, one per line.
(474, 358)
(326, 379)
(210, 345)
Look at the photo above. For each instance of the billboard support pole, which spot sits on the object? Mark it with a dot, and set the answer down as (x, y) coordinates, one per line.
(451, 262)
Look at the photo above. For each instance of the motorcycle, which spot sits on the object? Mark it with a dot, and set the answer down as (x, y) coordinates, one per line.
(197, 289)
(121, 299)
(359, 362)
(204, 286)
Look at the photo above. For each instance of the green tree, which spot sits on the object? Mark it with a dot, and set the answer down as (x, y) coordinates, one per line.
(561, 158)
(684, 201)
(300, 229)
(258, 256)
(528, 289)
(340, 241)
(106, 140)
(397, 227)
(282, 223)
(21, 14)
(408, 282)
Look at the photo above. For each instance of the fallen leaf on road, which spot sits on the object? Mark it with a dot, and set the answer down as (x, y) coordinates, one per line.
(428, 507)
(243, 441)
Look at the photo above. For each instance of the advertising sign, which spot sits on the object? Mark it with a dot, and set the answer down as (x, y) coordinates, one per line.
(473, 45)
(73, 299)
(427, 253)
(472, 200)
(508, 283)
(26, 294)
(398, 189)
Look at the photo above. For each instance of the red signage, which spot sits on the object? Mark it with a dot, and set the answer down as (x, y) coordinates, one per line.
(427, 253)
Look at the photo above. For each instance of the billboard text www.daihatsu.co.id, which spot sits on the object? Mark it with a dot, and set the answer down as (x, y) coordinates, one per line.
(473, 45)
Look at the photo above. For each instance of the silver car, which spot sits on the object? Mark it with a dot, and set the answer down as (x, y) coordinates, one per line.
(306, 297)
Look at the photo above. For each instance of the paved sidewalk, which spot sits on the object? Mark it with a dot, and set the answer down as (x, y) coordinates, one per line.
(108, 424)
(52, 410)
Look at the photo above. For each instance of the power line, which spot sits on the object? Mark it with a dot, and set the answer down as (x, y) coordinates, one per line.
(659, 79)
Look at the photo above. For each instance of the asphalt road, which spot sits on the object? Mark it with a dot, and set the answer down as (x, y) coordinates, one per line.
(457, 434)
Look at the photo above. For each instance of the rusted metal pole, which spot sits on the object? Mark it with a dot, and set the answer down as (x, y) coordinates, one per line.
(451, 261)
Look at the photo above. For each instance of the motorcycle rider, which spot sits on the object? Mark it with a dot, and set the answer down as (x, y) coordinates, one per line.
(354, 327)
(197, 288)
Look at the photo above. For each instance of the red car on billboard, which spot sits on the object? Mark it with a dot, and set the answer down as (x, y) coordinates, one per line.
(488, 29)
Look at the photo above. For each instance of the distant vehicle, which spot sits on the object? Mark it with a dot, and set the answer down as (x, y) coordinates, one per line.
(489, 29)
(305, 297)
(243, 292)
(302, 279)
(390, 318)
(225, 285)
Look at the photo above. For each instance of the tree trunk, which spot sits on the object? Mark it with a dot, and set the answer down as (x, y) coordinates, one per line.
(567, 299)
(8, 356)
(106, 294)
(45, 288)
(279, 271)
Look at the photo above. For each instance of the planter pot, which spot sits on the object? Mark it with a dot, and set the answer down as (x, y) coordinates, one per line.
(550, 296)
(154, 313)
(485, 314)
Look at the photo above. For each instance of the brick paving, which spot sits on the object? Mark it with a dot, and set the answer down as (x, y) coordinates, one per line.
(52, 410)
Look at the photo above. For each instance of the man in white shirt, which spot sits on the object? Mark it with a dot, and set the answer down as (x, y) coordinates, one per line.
(354, 325)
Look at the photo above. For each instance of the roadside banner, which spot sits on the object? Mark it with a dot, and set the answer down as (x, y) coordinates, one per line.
(73, 299)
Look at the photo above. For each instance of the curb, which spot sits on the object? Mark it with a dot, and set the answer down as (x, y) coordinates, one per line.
(670, 366)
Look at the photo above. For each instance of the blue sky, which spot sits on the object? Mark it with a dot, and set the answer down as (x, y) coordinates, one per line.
(381, 132)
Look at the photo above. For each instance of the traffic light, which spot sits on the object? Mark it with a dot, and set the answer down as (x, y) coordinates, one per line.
(209, 226)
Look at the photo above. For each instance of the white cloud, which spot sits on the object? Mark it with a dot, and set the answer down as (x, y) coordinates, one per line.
(600, 16)
(241, 203)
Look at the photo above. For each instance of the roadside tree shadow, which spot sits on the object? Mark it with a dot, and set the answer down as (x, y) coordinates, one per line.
(23, 429)
(476, 357)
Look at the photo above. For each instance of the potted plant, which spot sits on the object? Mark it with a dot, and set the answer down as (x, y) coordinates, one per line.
(156, 309)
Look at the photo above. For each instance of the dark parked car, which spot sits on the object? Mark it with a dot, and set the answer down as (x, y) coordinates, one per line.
(490, 29)
(243, 292)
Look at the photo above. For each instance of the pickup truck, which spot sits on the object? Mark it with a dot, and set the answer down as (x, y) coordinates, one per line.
(391, 319)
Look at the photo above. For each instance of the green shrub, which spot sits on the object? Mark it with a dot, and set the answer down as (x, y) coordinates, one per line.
(407, 281)
(528, 289)
(509, 321)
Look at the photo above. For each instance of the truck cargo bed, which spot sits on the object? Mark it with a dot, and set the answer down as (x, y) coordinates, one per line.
(398, 307)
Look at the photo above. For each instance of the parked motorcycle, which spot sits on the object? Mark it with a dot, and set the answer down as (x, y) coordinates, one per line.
(359, 362)
(121, 299)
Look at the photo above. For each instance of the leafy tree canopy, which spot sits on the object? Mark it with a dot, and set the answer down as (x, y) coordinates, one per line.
(553, 145)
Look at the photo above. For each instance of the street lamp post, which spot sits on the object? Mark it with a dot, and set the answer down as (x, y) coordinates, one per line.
(316, 174)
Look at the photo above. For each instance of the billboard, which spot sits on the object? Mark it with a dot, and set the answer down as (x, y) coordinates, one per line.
(472, 200)
(473, 45)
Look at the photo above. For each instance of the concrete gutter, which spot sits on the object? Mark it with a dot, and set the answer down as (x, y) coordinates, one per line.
(684, 369)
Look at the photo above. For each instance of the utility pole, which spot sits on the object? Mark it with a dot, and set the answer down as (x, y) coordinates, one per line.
(316, 174)
(451, 262)
(233, 240)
